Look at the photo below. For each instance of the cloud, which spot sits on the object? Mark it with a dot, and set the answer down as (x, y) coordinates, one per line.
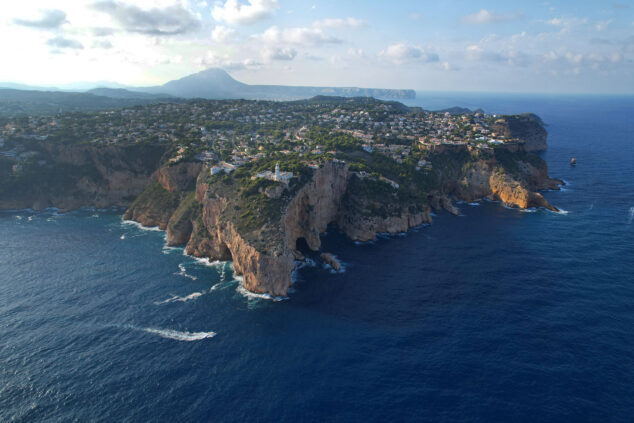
(486, 17)
(50, 19)
(61, 42)
(279, 53)
(171, 20)
(211, 59)
(407, 53)
(102, 31)
(341, 23)
(221, 34)
(236, 13)
(105, 44)
(601, 25)
(297, 36)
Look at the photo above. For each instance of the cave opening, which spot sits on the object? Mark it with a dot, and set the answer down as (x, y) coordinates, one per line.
(301, 245)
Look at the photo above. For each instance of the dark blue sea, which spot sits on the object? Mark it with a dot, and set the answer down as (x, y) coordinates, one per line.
(494, 315)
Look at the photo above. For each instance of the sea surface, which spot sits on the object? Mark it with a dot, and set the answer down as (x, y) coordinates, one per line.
(494, 315)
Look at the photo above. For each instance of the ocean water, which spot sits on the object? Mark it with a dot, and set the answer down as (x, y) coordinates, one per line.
(495, 315)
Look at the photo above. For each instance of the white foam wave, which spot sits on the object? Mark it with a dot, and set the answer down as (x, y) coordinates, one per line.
(30, 218)
(139, 226)
(631, 216)
(190, 297)
(475, 203)
(300, 264)
(122, 236)
(559, 211)
(183, 272)
(179, 336)
(206, 261)
(257, 296)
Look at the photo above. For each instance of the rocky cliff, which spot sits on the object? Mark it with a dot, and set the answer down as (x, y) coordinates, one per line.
(257, 222)
(527, 127)
(70, 177)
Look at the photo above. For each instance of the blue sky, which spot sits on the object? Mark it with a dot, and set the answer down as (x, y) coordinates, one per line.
(446, 45)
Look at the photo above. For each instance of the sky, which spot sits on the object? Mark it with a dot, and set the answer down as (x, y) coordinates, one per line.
(568, 46)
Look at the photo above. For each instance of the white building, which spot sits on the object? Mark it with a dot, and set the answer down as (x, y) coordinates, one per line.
(222, 167)
(277, 176)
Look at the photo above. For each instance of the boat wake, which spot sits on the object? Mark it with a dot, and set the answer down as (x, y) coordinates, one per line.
(177, 335)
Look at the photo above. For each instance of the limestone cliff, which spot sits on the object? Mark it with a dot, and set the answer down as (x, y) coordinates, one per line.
(512, 179)
(74, 176)
(527, 127)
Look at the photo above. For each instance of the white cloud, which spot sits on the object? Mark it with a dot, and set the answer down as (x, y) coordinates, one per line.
(49, 19)
(484, 16)
(279, 53)
(211, 59)
(297, 36)
(221, 34)
(602, 25)
(356, 52)
(63, 43)
(341, 23)
(105, 44)
(170, 20)
(236, 13)
(404, 52)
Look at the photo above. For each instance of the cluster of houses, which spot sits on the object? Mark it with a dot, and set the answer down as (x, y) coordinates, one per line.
(234, 132)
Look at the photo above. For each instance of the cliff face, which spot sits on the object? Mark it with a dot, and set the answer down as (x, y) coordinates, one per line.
(325, 199)
(78, 176)
(315, 206)
(527, 127)
(486, 179)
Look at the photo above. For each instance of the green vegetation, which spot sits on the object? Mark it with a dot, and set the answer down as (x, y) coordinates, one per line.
(155, 197)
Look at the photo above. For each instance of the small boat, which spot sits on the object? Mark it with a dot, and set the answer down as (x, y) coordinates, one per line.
(573, 161)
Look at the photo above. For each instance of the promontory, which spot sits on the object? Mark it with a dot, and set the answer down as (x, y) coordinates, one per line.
(257, 182)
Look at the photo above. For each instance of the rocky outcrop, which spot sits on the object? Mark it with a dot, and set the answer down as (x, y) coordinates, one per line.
(527, 127)
(486, 180)
(178, 177)
(84, 175)
(315, 206)
(331, 261)
(364, 228)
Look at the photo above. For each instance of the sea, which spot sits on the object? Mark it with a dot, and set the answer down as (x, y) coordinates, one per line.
(493, 315)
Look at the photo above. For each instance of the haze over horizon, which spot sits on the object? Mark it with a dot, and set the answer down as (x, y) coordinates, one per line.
(562, 47)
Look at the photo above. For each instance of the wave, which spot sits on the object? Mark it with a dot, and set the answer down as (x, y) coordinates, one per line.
(631, 218)
(206, 261)
(257, 296)
(139, 226)
(186, 298)
(559, 211)
(183, 272)
(300, 264)
(474, 203)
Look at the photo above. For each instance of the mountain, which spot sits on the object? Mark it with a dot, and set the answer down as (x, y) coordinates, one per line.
(217, 84)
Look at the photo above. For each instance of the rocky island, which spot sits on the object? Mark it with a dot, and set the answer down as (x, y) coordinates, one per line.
(257, 182)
